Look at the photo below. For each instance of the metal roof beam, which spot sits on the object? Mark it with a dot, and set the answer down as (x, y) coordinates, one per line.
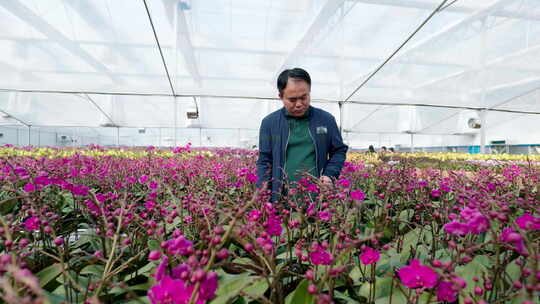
(27, 15)
(326, 12)
(442, 33)
(455, 8)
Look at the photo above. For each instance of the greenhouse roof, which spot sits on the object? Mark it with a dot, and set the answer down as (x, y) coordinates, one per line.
(393, 67)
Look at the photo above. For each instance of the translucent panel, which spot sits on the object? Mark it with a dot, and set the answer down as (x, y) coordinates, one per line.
(100, 71)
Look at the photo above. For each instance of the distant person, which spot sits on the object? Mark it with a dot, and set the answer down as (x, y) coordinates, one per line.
(383, 149)
(298, 137)
(371, 149)
(391, 149)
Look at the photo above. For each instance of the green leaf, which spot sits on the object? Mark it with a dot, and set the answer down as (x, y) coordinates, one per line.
(344, 298)
(55, 298)
(230, 286)
(153, 245)
(94, 269)
(68, 202)
(48, 274)
(300, 295)
(140, 300)
(256, 289)
(475, 268)
(514, 271)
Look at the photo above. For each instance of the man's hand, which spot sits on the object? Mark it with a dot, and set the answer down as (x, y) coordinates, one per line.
(326, 181)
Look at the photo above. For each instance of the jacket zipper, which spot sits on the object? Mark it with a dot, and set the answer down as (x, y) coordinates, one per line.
(316, 152)
(286, 145)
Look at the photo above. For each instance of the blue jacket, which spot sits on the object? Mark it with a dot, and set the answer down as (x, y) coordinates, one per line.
(330, 151)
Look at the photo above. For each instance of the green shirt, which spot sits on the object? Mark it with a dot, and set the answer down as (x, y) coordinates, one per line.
(300, 154)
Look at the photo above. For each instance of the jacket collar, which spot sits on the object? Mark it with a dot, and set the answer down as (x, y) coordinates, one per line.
(308, 113)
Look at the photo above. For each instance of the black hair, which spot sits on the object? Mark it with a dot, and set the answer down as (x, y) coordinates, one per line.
(371, 149)
(296, 73)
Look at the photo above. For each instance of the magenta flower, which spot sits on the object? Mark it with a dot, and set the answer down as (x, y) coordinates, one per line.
(149, 205)
(325, 216)
(528, 222)
(81, 190)
(435, 193)
(358, 195)
(252, 178)
(446, 292)
(456, 228)
(170, 291)
(143, 179)
(478, 224)
(154, 255)
(153, 185)
(42, 180)
(273, 226)
(320, 256)
(415, 275)
(345, 183)
(312, 188)
(369, 256)
(29, 188)
(509, 235)
(254, 215)
(208, 288)
(32, 223)
(180, 245)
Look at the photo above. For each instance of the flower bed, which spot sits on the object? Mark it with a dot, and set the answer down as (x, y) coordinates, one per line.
(188, 227)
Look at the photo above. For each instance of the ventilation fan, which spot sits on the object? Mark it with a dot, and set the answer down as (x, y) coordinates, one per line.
(474, 123)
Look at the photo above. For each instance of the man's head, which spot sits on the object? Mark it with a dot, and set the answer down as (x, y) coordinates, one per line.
(294, 87)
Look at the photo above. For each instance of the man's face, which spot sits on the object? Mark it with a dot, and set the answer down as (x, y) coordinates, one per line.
(296, 97)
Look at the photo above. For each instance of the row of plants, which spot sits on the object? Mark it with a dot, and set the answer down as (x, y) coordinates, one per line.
(192, 228)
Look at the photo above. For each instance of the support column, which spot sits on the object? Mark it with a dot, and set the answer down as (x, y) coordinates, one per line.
(412, 142)
(175, 121)
(117, 136)
(483, 131)
(340, 118)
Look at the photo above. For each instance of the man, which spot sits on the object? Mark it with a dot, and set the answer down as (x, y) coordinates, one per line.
(298, 137)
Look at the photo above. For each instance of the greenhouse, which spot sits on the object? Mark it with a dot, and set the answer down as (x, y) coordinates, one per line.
(277, 151)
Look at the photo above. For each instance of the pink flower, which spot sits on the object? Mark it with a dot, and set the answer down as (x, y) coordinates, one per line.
(143, 179)
(161, 270)
(320, 256)
(435, 193)
(153, 185)
(358, 195)
(252, 178)
(170, 291)
(528, 222)
(42, 180)
(154, 255)
(32, 223)
(415, 275)
(81, 190)
(509, 235)
(180, 245)
(456, 228)
(446, 292)
(369, 256)
(345, 183)
(149, 205)
(29, 188)
(208, 288)
(312, 188)
(325, 216)
(273, 226)
(478, 224)
(254, 215)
